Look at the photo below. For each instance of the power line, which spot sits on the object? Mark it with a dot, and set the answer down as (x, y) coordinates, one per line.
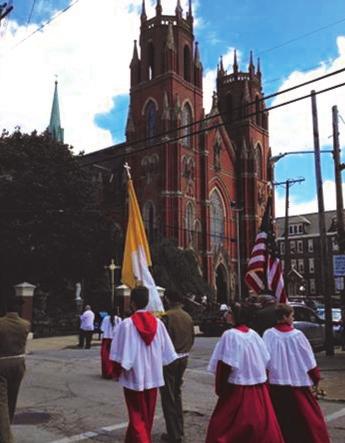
(31, 11)
(46, 23)
(302, 36)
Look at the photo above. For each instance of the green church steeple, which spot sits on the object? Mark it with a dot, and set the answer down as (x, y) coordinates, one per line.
(54, 127)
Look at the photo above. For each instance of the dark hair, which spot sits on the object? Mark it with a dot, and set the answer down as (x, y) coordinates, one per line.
(173, 296)
(283, 310)
(140, 297)
(241, 314)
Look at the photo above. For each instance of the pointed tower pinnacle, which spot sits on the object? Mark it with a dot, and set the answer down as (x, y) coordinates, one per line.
(251, 66)
(235, 65)
(159, 9)
(135, 57)
(178, 9)
(221, 66)
(143, 12)
(54, 127)
(197, 55)
(190, 12)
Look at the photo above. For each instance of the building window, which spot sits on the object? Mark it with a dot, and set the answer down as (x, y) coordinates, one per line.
(300, 246)
(301, 266)
(290, 229)
(310, 245)
(189, 223)
(151, 121)
(258, 162)
(186, 121)
(186, 63)
(151, 60)
(295, 229)
(311, 266)
(312, 287)
(149, 220)
(292, 247)
(282, 248)
(300, 229)
(217, 219)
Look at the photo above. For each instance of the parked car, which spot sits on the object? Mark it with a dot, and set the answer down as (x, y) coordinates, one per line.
(313, 326)
(213, 324)
(337, 322)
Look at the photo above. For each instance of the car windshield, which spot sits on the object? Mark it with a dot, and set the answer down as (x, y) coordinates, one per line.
(336, 314)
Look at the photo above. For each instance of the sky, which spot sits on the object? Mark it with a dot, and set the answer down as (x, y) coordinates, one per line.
(90, 45)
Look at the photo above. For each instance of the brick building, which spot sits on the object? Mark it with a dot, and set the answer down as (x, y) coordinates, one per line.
(185, 186)
(304, 241)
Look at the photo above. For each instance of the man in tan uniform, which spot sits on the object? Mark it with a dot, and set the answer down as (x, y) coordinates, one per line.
(180, 327)
(13, 334)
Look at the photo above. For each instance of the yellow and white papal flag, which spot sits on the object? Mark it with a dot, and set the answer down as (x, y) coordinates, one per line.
(137, 257)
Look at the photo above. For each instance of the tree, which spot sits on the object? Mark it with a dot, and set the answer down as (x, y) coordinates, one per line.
(51, 229)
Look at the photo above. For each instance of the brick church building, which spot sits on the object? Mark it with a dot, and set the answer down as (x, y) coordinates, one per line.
(192, 182)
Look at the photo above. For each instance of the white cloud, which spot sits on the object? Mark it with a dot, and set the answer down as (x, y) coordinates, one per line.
(210, 77)
(90, 50)
(291, 126)
(297, 207)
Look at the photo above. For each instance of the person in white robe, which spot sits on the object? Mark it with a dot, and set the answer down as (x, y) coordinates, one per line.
(140, 348)
(108, 325)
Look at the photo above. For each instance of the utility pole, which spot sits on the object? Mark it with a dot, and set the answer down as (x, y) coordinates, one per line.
(338, 186)
(324, 268)
(338, 167)
(287, 255)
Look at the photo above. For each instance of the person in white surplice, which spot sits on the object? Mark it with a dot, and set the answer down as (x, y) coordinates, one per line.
(140, 348)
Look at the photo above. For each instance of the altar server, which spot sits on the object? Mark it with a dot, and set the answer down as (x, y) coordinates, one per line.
(109, 323)
(140, 347)
(292, 373)
(244, 411)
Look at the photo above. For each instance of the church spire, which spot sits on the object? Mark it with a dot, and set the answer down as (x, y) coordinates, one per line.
(179, 9)
(54, 127)
(251, 66)
(135, 57)
(159, 9)
(235, 65)
(143, 12)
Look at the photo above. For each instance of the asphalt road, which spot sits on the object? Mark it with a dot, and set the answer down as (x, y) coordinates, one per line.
(63, 399)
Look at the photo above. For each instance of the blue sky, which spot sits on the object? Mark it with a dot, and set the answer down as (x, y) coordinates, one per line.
(90, 47)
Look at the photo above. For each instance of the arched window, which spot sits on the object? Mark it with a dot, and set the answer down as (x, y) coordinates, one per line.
(186, 64)
(186, 120)
(151, 121)
(217, 219)
(258, 161)
(151, 60)
(149, 220)
(197, 242)
(189, 223)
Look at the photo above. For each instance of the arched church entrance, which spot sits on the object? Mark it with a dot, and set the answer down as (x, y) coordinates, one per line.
(221, 284)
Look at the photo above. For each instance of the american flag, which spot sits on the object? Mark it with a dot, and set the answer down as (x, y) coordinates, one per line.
(264, 273)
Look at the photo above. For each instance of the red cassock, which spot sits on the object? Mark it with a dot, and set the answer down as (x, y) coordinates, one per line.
(243, 414)
(107, 365)
(299, 415)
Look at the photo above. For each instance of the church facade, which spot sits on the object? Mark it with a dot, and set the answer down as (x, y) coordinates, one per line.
(201, 179)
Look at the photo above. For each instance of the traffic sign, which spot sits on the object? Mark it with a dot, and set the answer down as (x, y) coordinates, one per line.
(339, 265)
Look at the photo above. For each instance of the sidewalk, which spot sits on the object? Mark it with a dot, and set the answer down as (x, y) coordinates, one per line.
(332, 375)
(55, 343)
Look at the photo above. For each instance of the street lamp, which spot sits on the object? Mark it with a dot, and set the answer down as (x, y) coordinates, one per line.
(239, 282)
